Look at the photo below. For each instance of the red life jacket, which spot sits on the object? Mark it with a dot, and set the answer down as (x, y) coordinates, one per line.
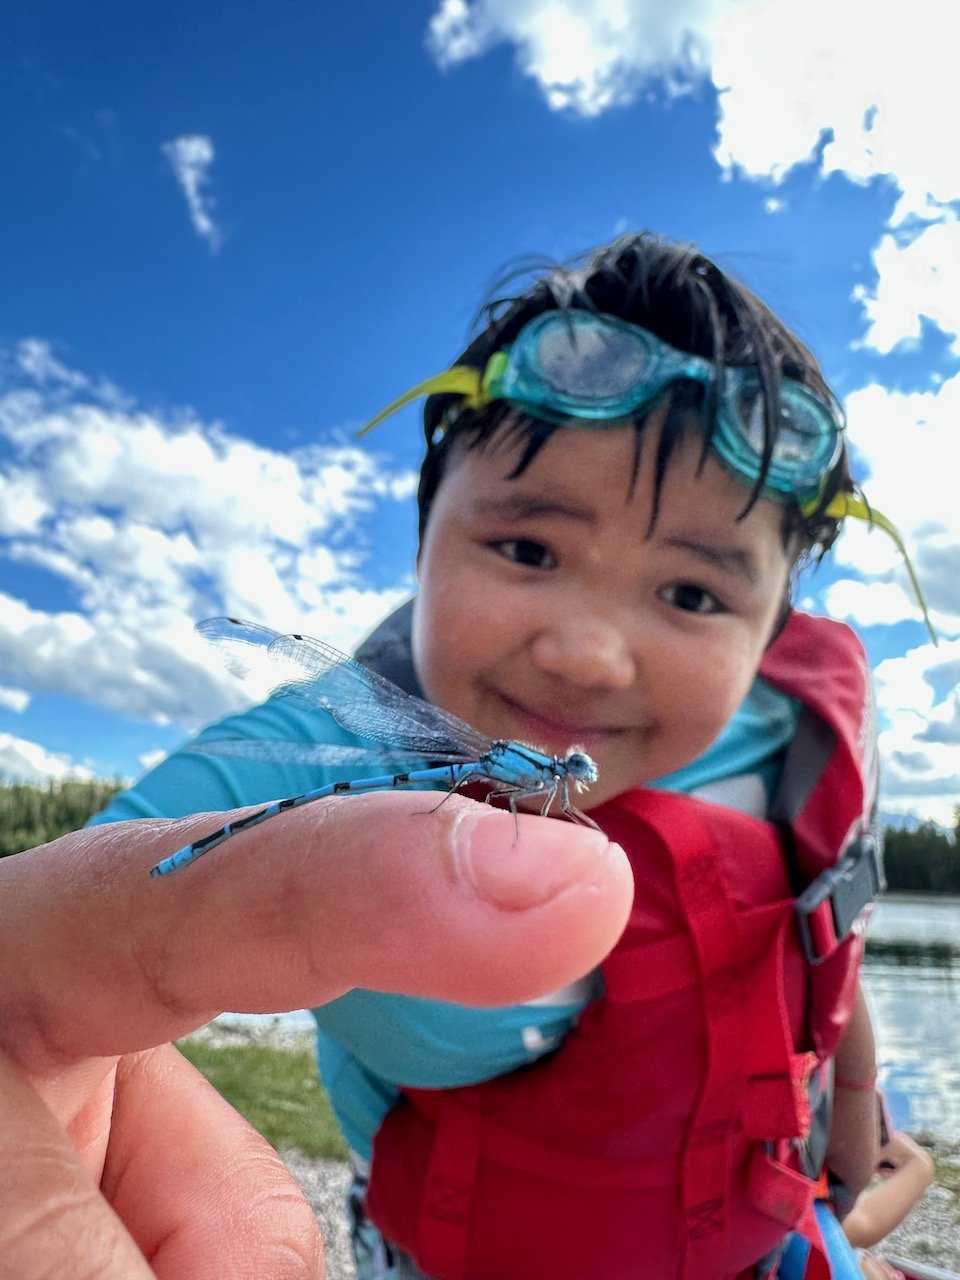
(665, 1137)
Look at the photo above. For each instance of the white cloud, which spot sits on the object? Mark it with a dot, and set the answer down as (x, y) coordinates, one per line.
(14, 699)
(920, 745)
(917, 277)
(870, 604)
(25, 761)
(906, 448)
(150, 759)
(808, 80)
(798, 81)
(190, 158)
(150, 522)
(586, 55)
(35, 358)
(906, 444)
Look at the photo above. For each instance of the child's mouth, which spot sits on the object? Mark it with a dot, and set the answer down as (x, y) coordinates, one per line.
(554, 733)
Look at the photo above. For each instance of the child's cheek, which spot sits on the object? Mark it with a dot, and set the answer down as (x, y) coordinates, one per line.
(445, 640)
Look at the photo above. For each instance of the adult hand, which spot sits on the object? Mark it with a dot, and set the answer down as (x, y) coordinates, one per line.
(117, 1160)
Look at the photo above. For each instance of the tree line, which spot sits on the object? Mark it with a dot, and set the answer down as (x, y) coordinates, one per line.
(31, 815)
(925, 859)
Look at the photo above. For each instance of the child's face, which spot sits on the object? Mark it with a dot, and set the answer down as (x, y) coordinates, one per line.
(546, 613)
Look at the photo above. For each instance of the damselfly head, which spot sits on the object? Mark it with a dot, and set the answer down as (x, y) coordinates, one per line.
(580, 766)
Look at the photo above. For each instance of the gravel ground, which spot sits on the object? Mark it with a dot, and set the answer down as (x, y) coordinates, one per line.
(931, 1234)
(324, 1183)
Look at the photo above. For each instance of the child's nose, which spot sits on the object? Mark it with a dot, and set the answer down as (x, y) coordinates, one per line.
(586, 652)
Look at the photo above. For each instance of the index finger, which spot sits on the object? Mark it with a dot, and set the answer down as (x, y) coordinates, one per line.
(462, 903)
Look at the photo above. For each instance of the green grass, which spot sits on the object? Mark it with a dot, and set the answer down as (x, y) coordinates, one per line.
(946, 1172)
(277, 1090)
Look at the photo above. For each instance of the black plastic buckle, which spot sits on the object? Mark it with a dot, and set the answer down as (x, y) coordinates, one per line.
(838, 896)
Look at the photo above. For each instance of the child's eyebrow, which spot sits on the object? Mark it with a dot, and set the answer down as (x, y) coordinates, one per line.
(736, 560)
(529, 506)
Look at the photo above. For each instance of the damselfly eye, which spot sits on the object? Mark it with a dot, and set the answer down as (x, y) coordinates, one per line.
(581, 766)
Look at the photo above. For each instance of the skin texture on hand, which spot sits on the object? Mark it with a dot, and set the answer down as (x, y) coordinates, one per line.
(117, 1159)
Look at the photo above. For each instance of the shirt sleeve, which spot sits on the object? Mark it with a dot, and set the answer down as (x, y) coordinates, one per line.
(188, 781)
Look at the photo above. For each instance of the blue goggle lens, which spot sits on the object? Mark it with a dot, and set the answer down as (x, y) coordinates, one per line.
(587, 364)
(808, 439)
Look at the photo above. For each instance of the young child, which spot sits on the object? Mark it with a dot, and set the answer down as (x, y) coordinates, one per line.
(622, 473)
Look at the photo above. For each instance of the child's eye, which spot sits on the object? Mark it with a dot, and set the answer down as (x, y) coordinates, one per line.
(527, 552)
(691, 598)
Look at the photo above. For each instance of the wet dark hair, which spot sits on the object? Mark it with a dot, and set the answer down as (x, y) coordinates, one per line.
(679, 294)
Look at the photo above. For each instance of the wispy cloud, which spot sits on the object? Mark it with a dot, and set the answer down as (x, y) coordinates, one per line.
(149, 522)
(190, 158)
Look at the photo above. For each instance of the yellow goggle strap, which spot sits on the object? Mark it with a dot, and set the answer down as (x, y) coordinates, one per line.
(848, 504)
(461, 380)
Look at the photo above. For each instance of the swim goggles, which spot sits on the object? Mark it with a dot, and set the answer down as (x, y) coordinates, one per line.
(578, 368)
(598, 370)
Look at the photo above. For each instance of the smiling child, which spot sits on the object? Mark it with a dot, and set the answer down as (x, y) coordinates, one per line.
(623, 472)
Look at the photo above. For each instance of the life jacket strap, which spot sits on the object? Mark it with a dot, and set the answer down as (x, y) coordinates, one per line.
(718, 947)
(832, 904)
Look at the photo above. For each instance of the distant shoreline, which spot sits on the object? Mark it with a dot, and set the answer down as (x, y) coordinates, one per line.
(906, 897)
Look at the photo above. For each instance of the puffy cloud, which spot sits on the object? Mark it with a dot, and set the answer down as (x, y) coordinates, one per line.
(14, 699)
(917, 277)
(190, 158)
(150, 522)
(585, 55)
(870, 603)
(905, 444)
(919, 743)
(25, 761)
(838, 82)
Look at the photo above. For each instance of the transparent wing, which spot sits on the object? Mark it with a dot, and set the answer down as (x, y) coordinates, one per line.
(367, 704)
(358, 699)
(244, 649)
(283, 751)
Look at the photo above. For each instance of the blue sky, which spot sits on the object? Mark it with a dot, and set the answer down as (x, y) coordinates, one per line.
(232, 232)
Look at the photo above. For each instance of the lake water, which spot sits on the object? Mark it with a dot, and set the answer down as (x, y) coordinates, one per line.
(912, 981)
